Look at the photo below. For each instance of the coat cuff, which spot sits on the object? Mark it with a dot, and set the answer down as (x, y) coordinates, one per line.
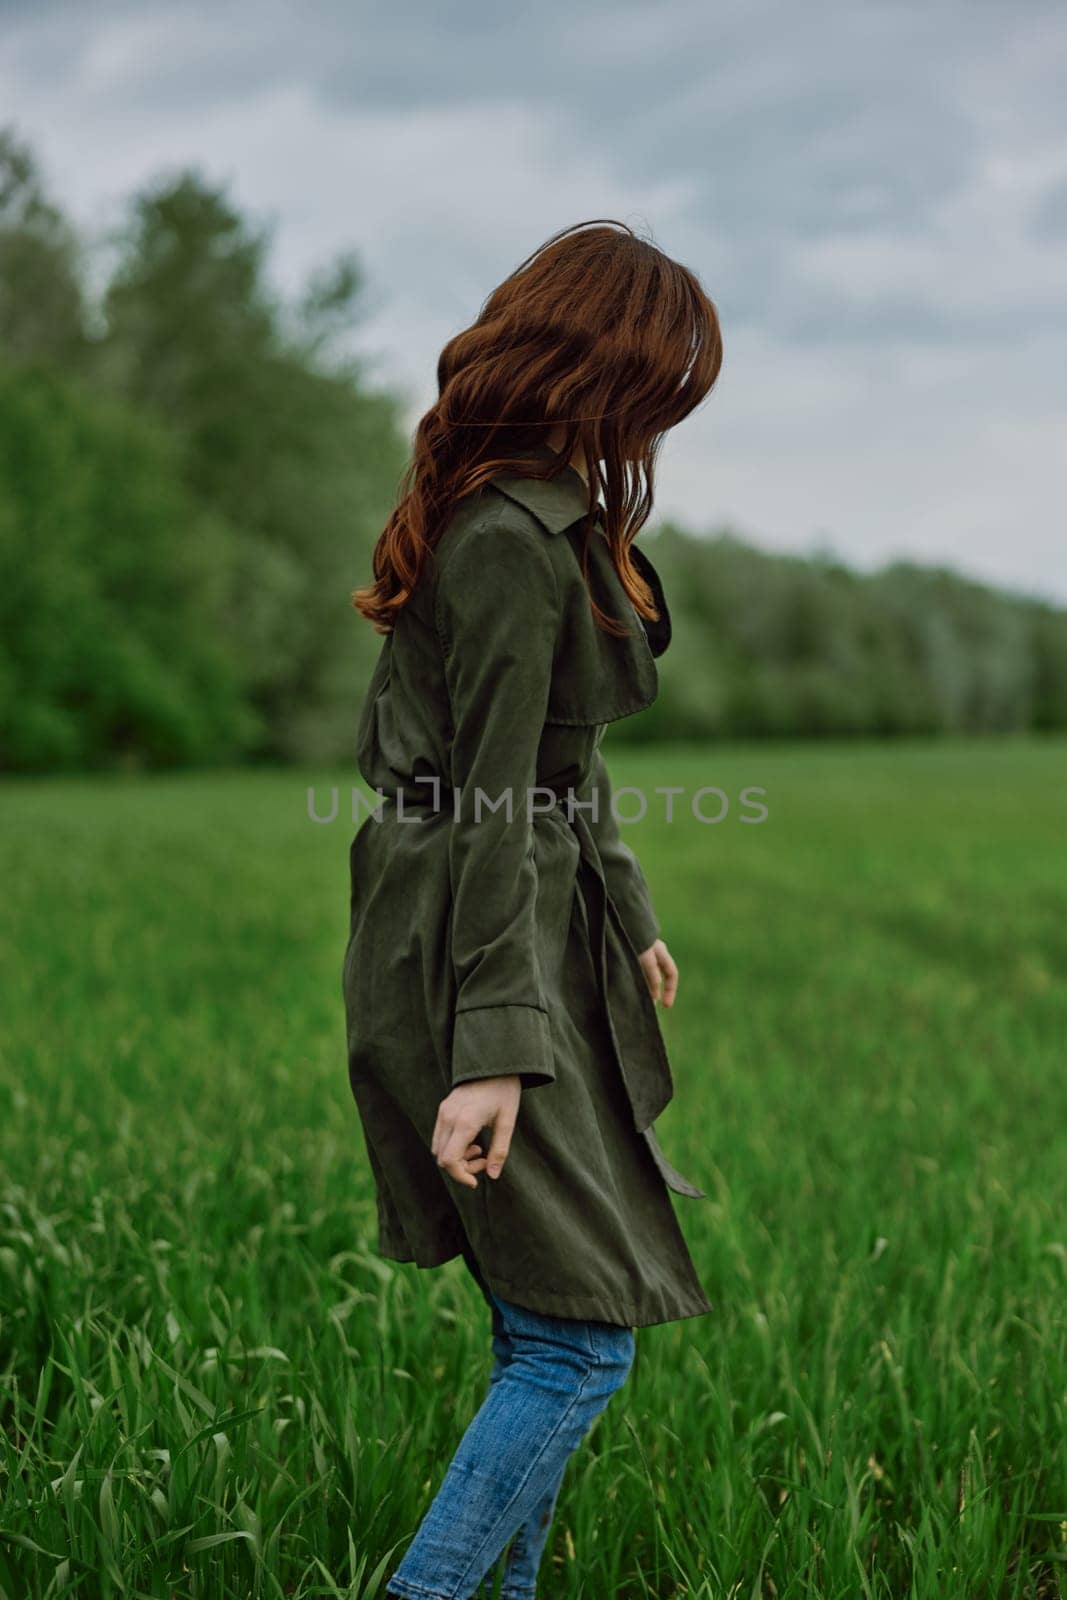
(496, 1041)
(637, 917)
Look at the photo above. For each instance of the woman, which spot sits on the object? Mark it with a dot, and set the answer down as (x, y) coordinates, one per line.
(504, 959)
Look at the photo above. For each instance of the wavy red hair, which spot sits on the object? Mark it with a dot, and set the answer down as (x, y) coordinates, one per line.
(599, 332)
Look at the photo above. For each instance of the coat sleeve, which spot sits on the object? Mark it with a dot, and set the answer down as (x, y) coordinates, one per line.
(622, 871)
(497, 613)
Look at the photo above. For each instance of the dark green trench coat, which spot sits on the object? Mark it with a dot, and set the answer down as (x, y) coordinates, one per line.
(483, 943)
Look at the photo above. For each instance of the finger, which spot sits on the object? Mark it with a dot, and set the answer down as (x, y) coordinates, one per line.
(454, 1147)
(503, 1128)
(670, 978)
(441, 1131)
(457, 1169)
(475, 1158)
(454, 1129)
(655, 981)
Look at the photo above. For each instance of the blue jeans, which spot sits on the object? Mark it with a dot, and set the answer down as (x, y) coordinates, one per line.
(551, 1378)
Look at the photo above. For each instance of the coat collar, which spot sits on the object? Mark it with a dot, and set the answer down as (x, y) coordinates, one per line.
(556, 502)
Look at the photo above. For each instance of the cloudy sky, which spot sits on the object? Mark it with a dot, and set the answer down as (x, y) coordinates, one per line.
(874, 194)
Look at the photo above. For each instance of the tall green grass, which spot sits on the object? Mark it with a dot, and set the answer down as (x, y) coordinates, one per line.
(211, 1386)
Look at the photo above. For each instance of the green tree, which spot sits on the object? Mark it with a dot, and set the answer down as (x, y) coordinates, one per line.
(111, 588)
(42, 310)
(275, 433)
(189, 496)
(785, 646)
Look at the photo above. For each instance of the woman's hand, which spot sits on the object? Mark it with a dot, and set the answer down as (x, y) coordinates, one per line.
(661, 974)
(484, 1102)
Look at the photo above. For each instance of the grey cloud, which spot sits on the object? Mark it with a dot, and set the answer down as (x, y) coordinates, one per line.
(1048, 223)
(813, 151)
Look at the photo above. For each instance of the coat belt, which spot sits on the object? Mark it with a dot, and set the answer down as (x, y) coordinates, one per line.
(646, 1073)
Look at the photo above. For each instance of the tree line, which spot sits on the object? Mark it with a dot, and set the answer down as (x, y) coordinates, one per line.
(192, 478)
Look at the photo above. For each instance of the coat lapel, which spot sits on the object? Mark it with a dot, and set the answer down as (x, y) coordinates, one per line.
(556, 502)
(603, 677)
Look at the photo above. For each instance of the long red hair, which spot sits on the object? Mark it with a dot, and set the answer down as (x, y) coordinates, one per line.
(597, 331)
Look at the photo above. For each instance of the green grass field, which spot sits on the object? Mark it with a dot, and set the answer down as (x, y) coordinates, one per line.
(210, 1385)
